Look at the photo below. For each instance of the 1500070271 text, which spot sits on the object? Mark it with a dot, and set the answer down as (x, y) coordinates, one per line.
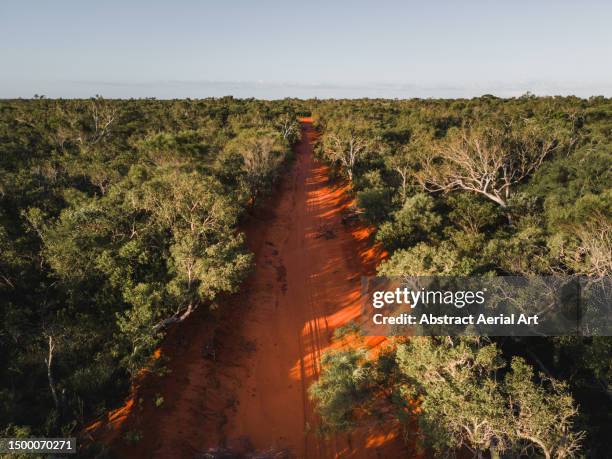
(38, 445)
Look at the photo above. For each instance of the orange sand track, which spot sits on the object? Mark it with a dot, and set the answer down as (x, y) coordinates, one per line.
(270, 339)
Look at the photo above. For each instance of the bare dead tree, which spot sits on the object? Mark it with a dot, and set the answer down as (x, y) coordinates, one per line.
(489, 162)
(180, 315)
(288, 126)
(404, 172)
(347, 148)
(5, 281)
(49, 362)
(103, 115)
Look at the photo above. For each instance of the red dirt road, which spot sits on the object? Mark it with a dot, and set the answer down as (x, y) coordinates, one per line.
(305, 284)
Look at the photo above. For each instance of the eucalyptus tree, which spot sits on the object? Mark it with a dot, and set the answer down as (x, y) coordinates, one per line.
(488, 160)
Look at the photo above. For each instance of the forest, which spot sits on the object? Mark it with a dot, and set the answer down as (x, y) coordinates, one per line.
(117, 220)
(480, 187)
(120, 218)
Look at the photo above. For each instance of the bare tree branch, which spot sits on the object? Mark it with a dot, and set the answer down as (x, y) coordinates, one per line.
(489, 162)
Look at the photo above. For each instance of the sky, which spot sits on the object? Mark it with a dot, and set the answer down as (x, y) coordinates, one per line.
(332, 48)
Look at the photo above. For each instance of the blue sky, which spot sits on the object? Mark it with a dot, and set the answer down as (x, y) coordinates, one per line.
(333, 48)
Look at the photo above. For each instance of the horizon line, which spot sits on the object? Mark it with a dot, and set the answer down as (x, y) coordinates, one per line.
(277, 90)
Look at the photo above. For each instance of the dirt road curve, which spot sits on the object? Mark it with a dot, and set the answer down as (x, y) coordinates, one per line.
(306, 283)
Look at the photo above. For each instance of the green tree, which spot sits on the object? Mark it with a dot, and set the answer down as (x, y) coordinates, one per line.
(416, 221)
(260, 153)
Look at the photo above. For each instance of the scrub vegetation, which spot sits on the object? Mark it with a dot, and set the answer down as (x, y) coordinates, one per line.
(486, 186)
(117, 220)
(120, 218)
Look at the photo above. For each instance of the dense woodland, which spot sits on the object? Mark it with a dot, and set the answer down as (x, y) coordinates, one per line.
(119, 218)
(486, 186)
